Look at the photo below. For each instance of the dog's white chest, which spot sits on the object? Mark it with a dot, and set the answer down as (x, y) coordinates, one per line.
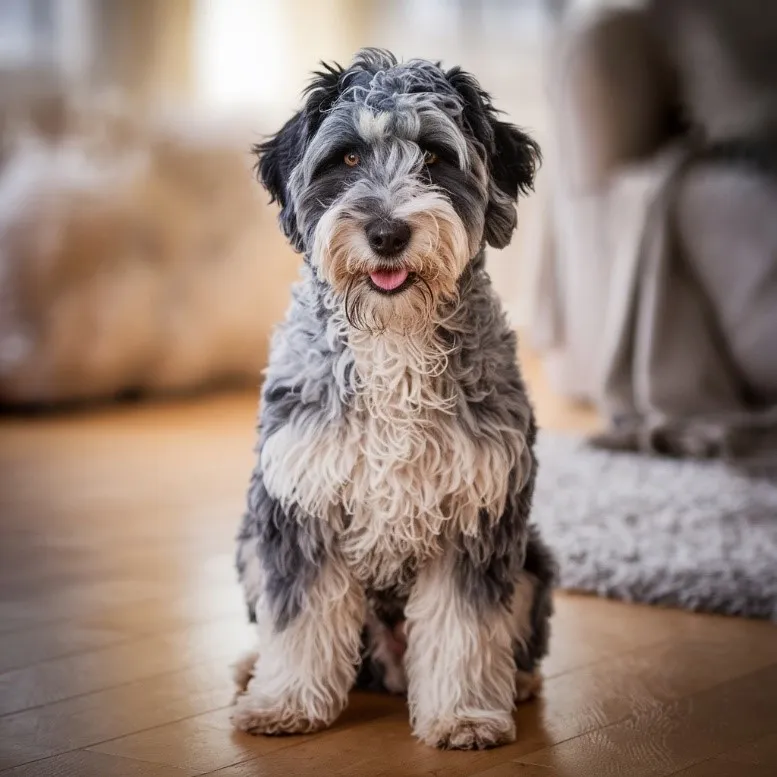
(398, 495)
(397, 472)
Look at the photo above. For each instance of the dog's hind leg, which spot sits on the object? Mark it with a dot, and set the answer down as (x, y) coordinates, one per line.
(250, 572)
(383, 651)
(243, 671)
(534, 619)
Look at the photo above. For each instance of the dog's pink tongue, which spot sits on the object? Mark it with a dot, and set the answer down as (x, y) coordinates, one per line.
(388, 280)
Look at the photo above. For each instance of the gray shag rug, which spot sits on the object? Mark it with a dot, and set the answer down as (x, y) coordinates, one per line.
(689, 534)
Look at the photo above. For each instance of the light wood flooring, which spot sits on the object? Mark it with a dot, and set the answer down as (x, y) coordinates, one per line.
(119, 616)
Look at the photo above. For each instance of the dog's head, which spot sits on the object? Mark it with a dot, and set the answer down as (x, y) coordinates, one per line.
(391, 178)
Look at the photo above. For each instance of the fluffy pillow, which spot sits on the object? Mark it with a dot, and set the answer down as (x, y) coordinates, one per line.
(134, 257)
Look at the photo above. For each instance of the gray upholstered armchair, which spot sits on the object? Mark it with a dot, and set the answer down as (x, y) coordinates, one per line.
(656, 288)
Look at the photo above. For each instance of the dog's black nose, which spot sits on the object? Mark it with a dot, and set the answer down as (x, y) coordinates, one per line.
(388, 237)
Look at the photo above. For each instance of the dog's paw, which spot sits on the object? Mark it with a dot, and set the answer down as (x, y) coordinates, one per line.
(527, 685)
(471, 733)
(283, 717)
(243, 671)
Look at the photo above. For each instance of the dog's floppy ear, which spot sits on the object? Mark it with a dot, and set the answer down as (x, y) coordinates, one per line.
(278, 156)
(513, 160)
(512, 157)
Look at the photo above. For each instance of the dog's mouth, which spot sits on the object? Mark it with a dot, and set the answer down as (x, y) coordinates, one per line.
(391, 281)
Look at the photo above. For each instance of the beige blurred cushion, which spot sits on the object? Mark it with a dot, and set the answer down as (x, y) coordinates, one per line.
(133, 257)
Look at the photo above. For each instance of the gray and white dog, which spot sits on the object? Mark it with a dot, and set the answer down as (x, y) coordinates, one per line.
(387, 541)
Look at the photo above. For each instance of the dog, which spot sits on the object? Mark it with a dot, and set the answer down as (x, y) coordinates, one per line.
(387, 541)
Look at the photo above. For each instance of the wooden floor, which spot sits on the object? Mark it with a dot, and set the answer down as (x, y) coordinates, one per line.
(119, 615)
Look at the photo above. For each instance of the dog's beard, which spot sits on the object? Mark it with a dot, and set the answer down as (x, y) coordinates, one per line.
(437, 254)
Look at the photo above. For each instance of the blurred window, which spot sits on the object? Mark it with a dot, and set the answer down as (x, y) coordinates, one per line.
(27, 33)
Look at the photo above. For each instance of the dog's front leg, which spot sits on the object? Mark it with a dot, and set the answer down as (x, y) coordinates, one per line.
(460, 664)
(307, 662)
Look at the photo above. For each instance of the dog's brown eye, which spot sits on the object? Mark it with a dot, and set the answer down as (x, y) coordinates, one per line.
(429, 157)
(351, 159)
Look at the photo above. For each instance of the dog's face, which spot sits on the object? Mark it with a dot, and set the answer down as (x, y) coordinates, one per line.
(390, 179)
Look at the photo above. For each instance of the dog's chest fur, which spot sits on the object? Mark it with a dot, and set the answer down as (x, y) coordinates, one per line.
(396, 473)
